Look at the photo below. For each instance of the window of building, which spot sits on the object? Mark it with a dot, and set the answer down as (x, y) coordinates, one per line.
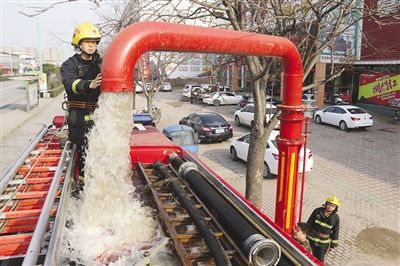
(386, 7)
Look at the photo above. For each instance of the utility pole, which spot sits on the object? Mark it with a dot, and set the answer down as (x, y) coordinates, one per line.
(11, 63)
(39, 52)
(243, 76)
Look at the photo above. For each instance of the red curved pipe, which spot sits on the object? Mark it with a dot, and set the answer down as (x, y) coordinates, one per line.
(123, 52)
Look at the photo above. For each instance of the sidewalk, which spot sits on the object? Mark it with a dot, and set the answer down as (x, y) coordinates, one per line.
(18, 127)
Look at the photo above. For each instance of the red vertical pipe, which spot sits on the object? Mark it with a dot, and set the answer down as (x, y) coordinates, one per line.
(136, 39)
(303, 174)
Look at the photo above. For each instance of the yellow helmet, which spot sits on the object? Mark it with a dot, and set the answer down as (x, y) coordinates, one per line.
(333, 200)
(85, 30)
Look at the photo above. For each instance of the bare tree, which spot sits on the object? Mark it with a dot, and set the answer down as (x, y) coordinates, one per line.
(159, 65)
(35, 10)
(314, 26)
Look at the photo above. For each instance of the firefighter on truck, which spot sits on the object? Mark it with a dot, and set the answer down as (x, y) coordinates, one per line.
(81, 78)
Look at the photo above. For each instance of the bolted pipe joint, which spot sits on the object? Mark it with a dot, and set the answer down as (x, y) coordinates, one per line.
(173, 155)
(186, 167)
(262, 251)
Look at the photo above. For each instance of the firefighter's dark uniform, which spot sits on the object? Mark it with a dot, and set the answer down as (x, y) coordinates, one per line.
(324, 232)
(82, 101)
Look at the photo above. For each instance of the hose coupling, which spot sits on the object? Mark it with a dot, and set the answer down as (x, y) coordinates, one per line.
(262, 251)
(186, 167)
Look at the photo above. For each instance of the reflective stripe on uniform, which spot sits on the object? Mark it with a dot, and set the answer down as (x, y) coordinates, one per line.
(74, 84)
(322, 241)
(335, 241)
(323, 224)
(88, 118)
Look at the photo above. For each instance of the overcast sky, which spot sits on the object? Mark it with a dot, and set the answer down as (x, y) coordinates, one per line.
(55, 25)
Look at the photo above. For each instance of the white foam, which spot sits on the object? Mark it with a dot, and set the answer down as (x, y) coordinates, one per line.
(107, 220)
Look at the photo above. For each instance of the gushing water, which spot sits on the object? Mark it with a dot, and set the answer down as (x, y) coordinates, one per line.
(108, 223)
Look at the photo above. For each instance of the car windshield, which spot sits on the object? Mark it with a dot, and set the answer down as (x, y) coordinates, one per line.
(356, 111)
(182, 138)
(212, 118)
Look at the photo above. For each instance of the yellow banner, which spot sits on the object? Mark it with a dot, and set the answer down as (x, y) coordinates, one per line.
(379, 87)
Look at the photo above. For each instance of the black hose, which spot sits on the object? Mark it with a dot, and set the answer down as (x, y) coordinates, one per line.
(232, 219)
(211, 240)
(260, 250)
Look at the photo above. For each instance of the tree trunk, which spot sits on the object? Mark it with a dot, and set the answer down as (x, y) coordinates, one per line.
(149, 102)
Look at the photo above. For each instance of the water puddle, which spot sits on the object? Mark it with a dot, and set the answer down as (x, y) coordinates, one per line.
(380, 242)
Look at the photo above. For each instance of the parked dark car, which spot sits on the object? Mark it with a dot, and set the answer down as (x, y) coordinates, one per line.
(208, 126)
(244, 101)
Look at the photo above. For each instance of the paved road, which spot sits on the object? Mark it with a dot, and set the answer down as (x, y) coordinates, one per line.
(12, 96)
(361, 167)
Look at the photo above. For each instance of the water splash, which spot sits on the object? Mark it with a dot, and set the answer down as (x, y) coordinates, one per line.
(108, 223)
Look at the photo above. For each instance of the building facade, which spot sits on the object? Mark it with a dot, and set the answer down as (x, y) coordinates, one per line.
(26, 59)
(378, 70)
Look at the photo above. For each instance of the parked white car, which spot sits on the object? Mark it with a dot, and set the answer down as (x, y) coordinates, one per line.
(187, 90)
(138, 88)
(222, 98)
(245, 116)
(239, 149)
(344, 117)
(165, 86)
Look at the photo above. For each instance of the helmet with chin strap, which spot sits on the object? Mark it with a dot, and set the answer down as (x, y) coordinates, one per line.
(333, 200)
(85, 30)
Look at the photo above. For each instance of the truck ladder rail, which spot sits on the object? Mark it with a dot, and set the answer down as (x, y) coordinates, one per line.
(188, 243)
(54, 248)
(10, 173)
(31, 197)
(35, 245)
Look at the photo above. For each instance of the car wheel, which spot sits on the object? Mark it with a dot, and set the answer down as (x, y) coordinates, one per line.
(343, 126)
(267, 173)
(216, 103)
(237, 121)
(234, 154)
(318, 119)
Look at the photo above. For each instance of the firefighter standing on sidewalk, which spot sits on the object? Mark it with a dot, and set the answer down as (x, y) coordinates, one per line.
(324, 224)
(81, 78)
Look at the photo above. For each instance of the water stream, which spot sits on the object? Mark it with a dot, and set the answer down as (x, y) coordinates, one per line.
(107, 223)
